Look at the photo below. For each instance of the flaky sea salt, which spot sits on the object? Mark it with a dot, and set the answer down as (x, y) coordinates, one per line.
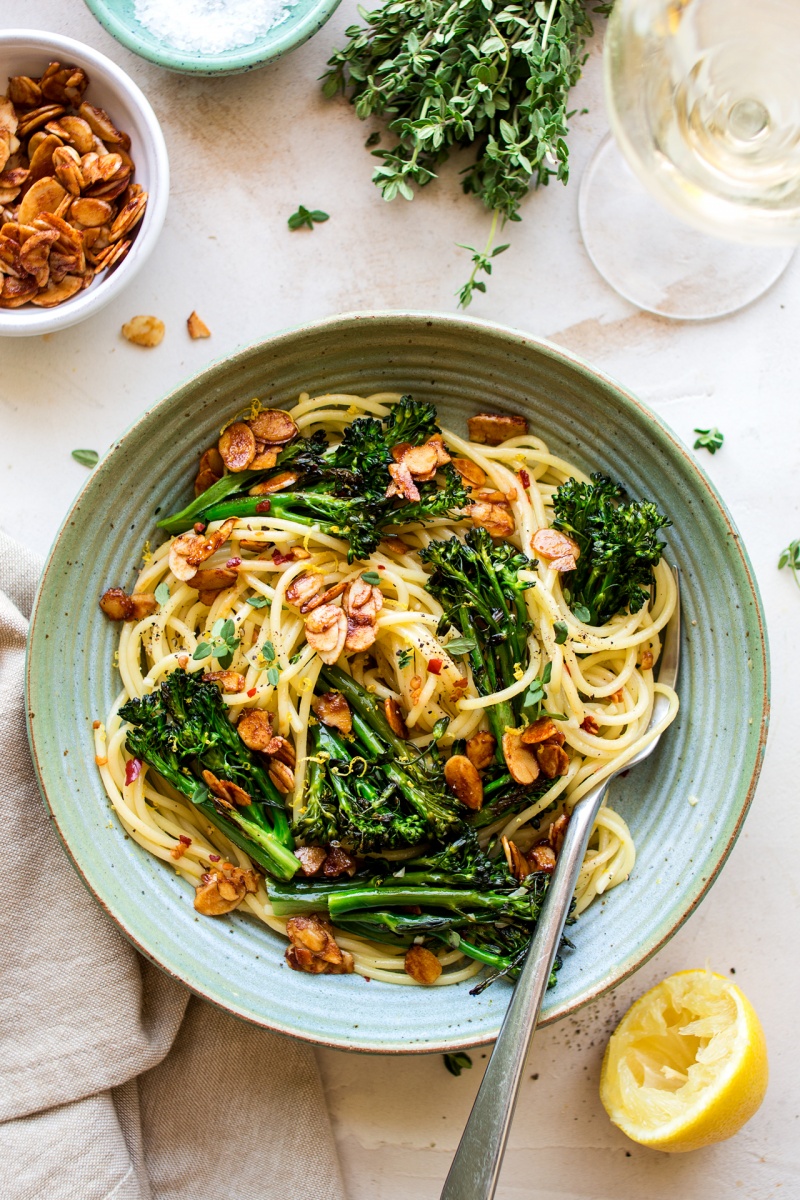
(210, 26)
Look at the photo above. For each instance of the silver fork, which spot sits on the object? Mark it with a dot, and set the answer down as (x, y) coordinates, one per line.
(476, 1166)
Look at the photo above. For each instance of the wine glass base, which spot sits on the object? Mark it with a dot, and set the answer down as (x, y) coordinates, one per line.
(658, 262)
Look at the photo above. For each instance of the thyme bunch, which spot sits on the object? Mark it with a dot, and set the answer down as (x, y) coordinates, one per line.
(467, 74)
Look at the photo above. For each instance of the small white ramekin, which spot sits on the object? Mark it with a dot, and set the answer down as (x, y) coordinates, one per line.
(27, 52)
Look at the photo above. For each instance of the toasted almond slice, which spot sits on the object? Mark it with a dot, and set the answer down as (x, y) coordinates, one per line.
(24, 91)
(265, 460)
(521, 762)
(492, 429)
(278, 483)
(227, 791)
(490, 496)
(213, 579)
(552, 545)
(394, 715)
(17, 292)
(362, 596)
(541, 857)
(282, 750)
(282, 776)
(128, 216)
(255, 729)
(311, 859)
(37, 117)
(552, 759)
(420, 460)
(463, 779)
(64, 85)
(8, 117)
(517, 863)
(331, 708)
(197, 328)
(326, 630)
(361, 634)
(402, 482)
(101, 124)
(481, 749)
(91, 212)
(33, 256)
(111, 256)
(144, 330)
(229, 681)
(304, 587)
(14, 177)
(77, 132)
(57, 293)
(67, 167)
(496, 519)
(44, 195)
(8, 195)
(273, 426)
(470, 472)
(329, 594)
(540, 730)
(115, 603)
(108, 191)
(422, 965)
(237, 446)
(556, 832)
(188, 550)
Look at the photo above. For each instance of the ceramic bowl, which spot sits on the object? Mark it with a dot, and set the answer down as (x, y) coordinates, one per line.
(303, 20)
(711, 755)
(27, 52)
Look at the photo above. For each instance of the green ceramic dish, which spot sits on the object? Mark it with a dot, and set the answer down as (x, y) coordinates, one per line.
(305, 17)
(713, 751)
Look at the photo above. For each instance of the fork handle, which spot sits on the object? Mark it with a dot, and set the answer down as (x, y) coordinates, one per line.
(476, 1166)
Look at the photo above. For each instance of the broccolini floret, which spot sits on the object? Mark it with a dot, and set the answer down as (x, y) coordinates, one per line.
(619, 546)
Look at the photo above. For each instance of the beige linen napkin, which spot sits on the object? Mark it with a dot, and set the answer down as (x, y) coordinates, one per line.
(114, 1081)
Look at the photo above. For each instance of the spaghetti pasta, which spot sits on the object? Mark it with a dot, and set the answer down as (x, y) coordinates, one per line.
(601, 684)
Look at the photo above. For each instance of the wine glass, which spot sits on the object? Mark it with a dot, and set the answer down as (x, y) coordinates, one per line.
(704, 102)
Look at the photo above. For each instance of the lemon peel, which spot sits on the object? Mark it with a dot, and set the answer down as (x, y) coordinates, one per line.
(687, 1065)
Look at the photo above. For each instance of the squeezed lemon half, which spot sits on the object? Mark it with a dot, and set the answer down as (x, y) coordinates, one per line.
(687, 1064)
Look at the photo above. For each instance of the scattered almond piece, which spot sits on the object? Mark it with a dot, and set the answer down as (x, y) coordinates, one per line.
(197, 328)
(144, 331)
(422, 965)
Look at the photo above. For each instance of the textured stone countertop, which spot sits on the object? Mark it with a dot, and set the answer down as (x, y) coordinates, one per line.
(244, 152)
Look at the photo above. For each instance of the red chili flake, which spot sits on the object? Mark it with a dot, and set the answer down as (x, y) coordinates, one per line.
(435, 666)
(199, 527)
(233, 562)
(213, 858)
(96, 724)
(279, 559)
(133, 769)
(184, 840)
(380, 567)
(263, 506)
(252, 692)
(524, 478)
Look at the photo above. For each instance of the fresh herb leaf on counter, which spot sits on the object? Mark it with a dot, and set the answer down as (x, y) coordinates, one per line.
(790, 557)
(87, 458)
(456, 1063)
(709, 439)
(484, 76)
(308, 218)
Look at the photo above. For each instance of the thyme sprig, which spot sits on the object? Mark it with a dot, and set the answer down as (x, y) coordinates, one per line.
(480, 74)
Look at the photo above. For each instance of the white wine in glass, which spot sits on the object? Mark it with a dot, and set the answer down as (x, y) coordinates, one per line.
(704, 103)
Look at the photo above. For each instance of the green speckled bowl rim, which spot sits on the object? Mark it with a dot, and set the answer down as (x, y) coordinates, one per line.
(271, 46)
(736, 805)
